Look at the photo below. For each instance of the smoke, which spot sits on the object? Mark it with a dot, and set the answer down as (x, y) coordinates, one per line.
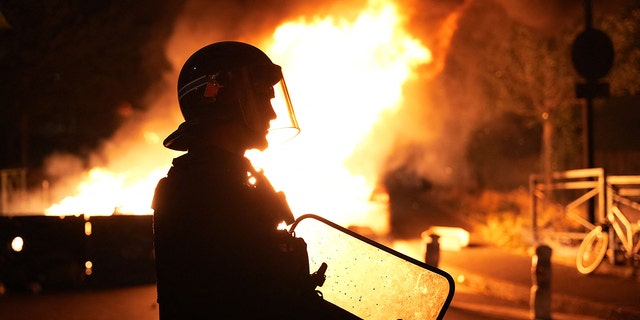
(427, 137)
(136, 148)
(415, 135)
(432, 129)
(547, 16)
(443, 105)
(469, 40)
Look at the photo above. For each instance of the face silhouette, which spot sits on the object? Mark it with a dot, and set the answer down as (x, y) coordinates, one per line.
(258, 118)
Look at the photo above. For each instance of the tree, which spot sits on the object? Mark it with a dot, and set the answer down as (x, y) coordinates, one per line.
(624, 30)
(540, 88)
(528, 73)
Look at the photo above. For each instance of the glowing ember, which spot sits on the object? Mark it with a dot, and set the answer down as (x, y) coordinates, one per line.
(342, 75)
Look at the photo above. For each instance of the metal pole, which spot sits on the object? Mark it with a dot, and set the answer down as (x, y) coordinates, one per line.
(533, 206)
(432, 256)
(588, 121)
(540, 302)
(587, 13)
(588, 133)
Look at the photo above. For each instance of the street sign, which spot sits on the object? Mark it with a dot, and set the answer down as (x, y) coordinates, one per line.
(592, 54)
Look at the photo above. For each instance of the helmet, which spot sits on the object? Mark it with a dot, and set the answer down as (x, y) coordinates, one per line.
(226, 81)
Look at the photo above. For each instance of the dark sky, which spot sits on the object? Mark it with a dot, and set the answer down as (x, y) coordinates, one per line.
(72, 70)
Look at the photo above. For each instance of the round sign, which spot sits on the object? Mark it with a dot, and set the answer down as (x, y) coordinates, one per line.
(592, 54)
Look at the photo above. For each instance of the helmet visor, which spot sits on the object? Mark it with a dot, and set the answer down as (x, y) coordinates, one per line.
(264, 98)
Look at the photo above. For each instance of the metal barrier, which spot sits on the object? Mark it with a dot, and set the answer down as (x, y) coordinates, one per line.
(593, 185)
(624, 190)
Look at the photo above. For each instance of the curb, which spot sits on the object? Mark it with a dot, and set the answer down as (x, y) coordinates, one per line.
(560, 304)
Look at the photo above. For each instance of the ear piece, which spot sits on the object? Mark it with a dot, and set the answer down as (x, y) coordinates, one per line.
(211, 91)
(215, 82)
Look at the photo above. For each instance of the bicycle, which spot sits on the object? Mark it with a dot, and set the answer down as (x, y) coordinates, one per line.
(617, 238)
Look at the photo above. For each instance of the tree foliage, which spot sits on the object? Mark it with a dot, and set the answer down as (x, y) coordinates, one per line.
(527, 76)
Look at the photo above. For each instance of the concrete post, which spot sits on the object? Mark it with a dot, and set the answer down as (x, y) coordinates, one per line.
(432, 256)
(540, 302)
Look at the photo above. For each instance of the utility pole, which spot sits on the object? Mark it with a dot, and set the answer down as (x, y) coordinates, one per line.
(592, 54)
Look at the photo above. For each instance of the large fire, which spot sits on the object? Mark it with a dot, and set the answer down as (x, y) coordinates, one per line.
(343, 75)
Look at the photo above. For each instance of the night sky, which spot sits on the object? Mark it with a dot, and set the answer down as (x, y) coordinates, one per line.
(73, 70)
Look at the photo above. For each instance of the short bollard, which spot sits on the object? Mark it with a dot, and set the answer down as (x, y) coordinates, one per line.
(541, 289)
(432, 256)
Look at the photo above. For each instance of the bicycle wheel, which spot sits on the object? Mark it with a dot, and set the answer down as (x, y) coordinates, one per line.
(592, 250)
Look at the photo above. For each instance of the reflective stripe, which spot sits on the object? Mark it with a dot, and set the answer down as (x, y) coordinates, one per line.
(191, 86)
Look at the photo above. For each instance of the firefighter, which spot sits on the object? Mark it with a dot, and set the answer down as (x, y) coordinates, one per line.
(219, 253)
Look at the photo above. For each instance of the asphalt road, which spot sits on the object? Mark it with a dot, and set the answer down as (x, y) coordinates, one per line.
(496, 287)
(139, 303)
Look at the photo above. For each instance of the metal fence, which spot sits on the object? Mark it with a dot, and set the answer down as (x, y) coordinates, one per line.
(584, 196)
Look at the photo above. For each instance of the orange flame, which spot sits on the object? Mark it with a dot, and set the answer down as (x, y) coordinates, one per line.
(343, 75)
(104, 193)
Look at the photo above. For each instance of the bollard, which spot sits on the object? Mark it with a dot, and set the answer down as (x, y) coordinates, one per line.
(432, 256)
(540, 302)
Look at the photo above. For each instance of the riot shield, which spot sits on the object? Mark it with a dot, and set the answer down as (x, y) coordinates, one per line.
(371, 280)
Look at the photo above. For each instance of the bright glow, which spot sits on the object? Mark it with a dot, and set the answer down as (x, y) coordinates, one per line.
(88, 267)
(104, 193)
(451, 238)
(343, 74)
(17, 244)
(87, 228)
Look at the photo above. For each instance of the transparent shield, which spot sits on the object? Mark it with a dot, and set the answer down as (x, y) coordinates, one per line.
(263, 94)
(370, 280)
(285, 126)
